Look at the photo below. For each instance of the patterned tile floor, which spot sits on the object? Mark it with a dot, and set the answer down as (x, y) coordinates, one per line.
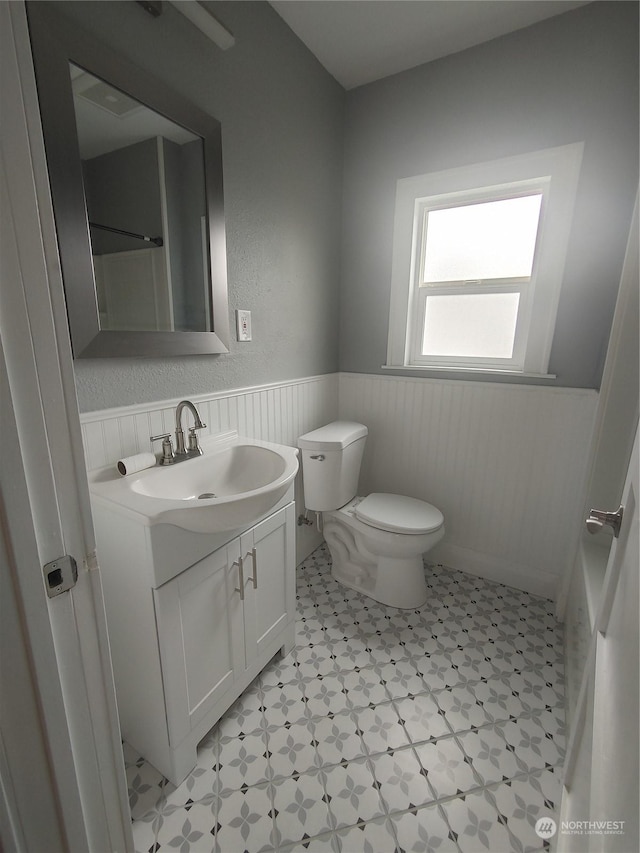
(439, 729)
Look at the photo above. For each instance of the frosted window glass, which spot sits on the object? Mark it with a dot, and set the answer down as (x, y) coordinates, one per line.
(471, 325)
(495, 239)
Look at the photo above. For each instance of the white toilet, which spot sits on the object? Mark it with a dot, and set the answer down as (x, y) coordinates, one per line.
(377, 542)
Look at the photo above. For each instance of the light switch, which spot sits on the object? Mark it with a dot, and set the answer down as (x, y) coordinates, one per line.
(243, 325)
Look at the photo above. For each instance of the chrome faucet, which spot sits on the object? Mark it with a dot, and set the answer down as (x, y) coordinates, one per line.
(181, 453)
(193, 448)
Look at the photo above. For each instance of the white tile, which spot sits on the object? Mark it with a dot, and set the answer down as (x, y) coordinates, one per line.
(476, 823)
(437, 670)
(489, 755)
(381, 728)
(315, 660)
(337, 739)
(421, 717)
(471, 663)
(447, 771)
(351, 653)
(372, 837)
(243, 761)
(326, 695)
(300, 808)
(284, 704)
(401, 780)
(521, 806)
(363, 687)
(295, 734)
(533, 748)
(146, 787)
(497, 698)
(423, 831)
(352, 793)
(245, 821)
(291, 749)
(190, 830)
(461, 709)
(402, 679)
(144, 835)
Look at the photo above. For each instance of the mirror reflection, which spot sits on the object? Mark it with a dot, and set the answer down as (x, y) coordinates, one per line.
(144, 186)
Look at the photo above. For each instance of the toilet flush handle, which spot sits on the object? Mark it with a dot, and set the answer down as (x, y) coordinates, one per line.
(319, 457)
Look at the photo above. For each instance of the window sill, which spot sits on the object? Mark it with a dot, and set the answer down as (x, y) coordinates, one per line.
(465, 371)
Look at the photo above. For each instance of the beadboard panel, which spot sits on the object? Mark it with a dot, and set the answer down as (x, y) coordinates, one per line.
(278, 412)
(505, 464)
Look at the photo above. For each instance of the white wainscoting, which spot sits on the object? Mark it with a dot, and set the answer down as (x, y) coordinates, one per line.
(278, 412)
(505, 464)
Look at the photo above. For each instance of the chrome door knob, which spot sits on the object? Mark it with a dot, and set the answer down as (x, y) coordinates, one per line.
(598, 519)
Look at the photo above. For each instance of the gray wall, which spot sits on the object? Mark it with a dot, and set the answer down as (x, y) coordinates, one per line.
(568, 79)
(282, 126)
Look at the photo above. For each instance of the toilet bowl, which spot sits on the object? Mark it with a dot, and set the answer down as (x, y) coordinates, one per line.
(376, 542)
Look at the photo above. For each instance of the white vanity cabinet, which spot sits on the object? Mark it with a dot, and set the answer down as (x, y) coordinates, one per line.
(185, 643)
(221, 620)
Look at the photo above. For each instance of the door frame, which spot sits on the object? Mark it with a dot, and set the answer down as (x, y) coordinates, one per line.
(618, 406)
(64, 637)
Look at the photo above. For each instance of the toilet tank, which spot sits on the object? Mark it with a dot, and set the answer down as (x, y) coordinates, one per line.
(331, 458)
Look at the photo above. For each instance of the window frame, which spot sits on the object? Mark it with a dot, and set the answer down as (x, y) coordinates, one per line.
(554, 173)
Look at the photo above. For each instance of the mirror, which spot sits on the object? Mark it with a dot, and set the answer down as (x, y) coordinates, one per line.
(136, 182)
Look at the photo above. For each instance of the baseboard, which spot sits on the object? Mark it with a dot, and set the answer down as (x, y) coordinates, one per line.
(496, 569)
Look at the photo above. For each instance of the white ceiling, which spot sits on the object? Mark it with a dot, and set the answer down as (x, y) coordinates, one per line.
(359, 41)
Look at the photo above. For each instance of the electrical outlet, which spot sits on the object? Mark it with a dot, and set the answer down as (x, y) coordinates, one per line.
(243, 325)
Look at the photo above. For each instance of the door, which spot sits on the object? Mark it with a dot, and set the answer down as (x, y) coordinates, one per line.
(616, 711)
(45, 511)
(269, 582)
(603, 768)
(199, 616)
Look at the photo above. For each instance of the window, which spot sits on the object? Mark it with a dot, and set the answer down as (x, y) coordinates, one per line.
(478, 263)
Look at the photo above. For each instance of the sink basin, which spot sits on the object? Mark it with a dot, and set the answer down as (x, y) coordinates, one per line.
(233, 483)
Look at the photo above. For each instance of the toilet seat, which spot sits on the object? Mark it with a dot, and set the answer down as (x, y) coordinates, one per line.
(398, 514)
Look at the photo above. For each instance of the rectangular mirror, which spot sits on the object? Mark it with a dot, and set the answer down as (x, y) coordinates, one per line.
(136, 182)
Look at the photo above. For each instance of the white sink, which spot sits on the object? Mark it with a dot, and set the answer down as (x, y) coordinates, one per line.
(233, 483)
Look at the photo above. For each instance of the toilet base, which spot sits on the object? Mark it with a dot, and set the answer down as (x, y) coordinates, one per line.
(385, 565)
(396, 582)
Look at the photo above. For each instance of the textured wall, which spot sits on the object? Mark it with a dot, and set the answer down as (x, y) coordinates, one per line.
(569, 79)
(282, 126)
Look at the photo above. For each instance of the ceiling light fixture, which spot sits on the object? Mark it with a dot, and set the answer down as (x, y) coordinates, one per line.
(205, 22)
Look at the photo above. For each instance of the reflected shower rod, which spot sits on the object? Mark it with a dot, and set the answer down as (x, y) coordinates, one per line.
(157, 241)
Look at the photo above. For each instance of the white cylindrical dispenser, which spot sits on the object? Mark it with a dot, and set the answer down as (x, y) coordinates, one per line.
(331, 458)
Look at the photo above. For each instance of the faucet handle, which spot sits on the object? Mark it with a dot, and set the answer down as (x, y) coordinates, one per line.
(193, 439)
(168, 456)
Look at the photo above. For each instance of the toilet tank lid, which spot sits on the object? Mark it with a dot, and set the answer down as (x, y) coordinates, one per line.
(399, 514)
(333, 436)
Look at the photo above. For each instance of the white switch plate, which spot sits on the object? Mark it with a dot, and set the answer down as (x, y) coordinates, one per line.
(243, 325)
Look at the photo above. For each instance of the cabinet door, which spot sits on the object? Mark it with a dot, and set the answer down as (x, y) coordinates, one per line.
(269, 569)
(199, 616)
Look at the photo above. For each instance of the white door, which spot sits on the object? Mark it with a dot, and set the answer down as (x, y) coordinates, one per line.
(45, 513)
(616, 711)
(600, 801)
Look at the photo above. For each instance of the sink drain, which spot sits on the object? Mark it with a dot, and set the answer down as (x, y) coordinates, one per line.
(205, 495)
